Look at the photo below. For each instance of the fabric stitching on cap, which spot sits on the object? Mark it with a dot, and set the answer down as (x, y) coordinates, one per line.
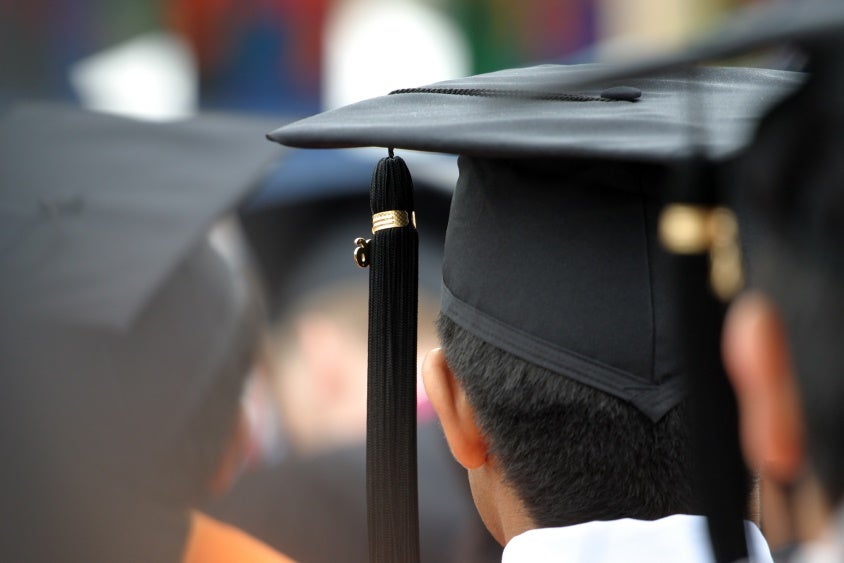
(646, 234)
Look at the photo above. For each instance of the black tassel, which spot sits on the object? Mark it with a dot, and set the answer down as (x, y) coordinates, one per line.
(391, 388)
(722, 479)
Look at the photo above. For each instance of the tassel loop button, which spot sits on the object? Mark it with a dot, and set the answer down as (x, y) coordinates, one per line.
(362, 252)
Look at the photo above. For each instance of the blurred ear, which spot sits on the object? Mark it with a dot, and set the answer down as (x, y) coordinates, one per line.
(758, 363)
(456, 415)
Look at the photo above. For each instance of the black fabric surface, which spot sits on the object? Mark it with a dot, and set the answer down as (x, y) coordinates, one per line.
(658, 127)
(571, 278)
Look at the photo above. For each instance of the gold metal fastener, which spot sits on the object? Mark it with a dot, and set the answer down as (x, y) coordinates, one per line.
(362, 252)
(695, 229)
(392, 219)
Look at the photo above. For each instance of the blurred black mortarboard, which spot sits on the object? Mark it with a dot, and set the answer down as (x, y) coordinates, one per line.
(551, 251)
(118, 318)
(299, 254)
(97, 211)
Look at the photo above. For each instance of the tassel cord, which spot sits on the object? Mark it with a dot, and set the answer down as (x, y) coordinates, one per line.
(391, 396)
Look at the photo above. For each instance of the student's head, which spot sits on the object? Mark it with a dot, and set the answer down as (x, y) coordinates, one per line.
(571, 453)
(559, 383)
(782, 342)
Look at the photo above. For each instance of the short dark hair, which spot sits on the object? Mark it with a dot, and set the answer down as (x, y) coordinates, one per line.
(572, 453)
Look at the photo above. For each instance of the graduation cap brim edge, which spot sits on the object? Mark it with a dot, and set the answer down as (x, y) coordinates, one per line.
(540, 111)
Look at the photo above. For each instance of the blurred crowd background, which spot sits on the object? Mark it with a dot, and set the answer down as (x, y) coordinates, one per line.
(284, 59)
(168, 58)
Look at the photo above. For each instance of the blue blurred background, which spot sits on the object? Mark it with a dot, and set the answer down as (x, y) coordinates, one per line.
(168, 58)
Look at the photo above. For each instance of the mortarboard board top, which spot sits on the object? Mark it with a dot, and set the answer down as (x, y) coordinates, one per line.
(98, 210)
(523, 119)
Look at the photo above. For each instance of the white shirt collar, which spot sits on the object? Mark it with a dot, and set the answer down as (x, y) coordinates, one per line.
(679, 539)
(827, 549)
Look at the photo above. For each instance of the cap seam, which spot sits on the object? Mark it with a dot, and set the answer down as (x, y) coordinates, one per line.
(646, 233)
(567, 363)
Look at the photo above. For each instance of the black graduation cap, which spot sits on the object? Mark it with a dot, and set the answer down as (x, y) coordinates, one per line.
(98, 210)
(551, 251)
(118, 319)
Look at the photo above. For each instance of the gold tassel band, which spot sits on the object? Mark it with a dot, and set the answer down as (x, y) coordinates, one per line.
(391, 219)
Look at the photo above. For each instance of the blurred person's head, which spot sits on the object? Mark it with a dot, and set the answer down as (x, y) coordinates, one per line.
(319, 354)
(318, 312)
(782, 342)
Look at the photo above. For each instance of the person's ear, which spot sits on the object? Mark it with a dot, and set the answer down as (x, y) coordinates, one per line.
(758, 363)
(456, 415)
(233, 458)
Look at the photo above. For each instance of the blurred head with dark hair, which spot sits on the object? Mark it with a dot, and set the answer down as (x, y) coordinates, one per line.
(782, 342)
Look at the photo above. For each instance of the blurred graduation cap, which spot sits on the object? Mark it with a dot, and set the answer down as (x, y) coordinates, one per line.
(809, 25)
(549, 253)
(791, 178)
(118, 318)
(98, 210)
(792, 147)
(307, 186)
